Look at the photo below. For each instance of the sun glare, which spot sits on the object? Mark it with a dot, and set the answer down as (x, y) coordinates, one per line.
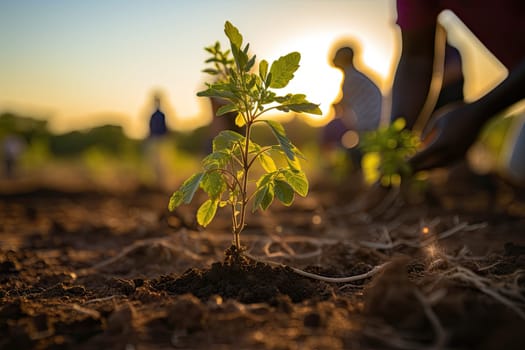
(315, 77)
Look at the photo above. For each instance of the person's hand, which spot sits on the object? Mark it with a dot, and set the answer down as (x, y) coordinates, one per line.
(447, 138)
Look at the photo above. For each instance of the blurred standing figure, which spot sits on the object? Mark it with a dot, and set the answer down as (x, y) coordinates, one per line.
(360, 104)
(157, 122)
(157, 131)
(12, 148)
(359, 108)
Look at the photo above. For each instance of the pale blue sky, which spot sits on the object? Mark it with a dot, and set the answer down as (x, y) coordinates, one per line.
(85, 62)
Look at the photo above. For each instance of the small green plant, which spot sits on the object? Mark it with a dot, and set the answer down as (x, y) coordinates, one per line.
(386, 151)
(225, 175)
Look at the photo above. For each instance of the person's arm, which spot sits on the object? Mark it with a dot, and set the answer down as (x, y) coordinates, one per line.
(453, 131)
(414, 74)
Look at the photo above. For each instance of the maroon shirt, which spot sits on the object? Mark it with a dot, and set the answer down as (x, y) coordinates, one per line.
(499, 25)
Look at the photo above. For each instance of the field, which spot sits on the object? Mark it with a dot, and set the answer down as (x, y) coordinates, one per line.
(94, 268)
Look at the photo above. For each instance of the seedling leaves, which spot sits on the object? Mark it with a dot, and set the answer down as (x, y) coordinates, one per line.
(207, 212)
(284, 192)
(263, 69)
(297, 180)
(213, 184)
(226, 139)
(265, 193)
(282, 69)
(280, 135)
(297, 103)
(233, 34)
(185, 193)
(226, 109)
(216, 160)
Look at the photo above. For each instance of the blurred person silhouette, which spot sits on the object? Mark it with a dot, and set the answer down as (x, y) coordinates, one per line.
(157, 121)
(157, 132)
(449, 132)
(359, 108)
(12, 148)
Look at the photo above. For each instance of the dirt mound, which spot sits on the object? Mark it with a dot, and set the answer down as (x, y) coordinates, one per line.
(245, 280)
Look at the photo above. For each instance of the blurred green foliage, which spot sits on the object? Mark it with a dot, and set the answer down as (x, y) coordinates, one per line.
(386, 151)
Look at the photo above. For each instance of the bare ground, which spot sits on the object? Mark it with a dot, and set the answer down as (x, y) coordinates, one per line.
(91, 269)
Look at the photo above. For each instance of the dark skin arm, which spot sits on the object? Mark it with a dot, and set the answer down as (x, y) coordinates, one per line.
(454, 130)
(413, 78)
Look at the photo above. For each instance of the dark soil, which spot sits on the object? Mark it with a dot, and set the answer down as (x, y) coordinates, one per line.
(90, 269)
(245, 280)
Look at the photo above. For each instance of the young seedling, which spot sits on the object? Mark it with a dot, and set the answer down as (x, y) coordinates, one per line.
(225, 175)
(386, 151)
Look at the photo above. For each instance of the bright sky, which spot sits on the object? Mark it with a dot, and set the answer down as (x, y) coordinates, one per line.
(84, 63)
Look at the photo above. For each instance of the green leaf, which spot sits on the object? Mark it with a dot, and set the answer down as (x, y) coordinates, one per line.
(230, 107)
(263, 69)
(294, 164)
(268, 81)
(186, 191)
(207, 212)
(266, 179)
(297, 180)
(216, 160)
(267, 163)
(283, 69)
(175, 200)
(211, 71)
(280, 135)
(213, 184)
(297, 103)
(241, 58)
(214, 92)
(239, 120)
(284, 192)
(233, 34)
(263, 197)
(226, 139)
(307, 107)
(250, 64)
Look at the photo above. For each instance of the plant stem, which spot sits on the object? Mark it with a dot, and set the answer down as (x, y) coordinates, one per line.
(244, 199)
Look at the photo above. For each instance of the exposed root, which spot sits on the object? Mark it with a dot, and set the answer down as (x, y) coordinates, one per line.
(162, 242)
(96, 300)
(90, 312)
(391, 337)
(362, 276)
(488, 287)
(417, 242)
(440, 334)
(394, 339)
(289, 252)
